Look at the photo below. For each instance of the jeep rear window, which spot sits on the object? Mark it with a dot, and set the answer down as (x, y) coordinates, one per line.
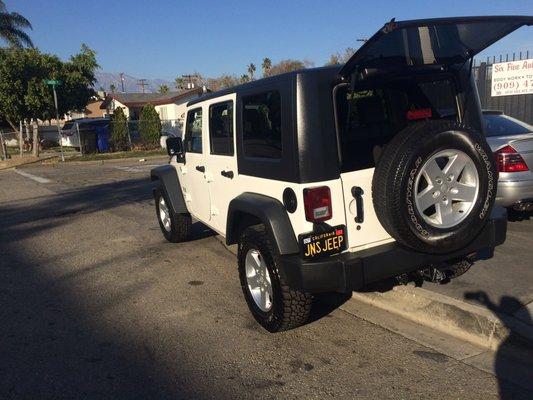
(261, 125)
(221, 128)
(193, 131)
(369, 116)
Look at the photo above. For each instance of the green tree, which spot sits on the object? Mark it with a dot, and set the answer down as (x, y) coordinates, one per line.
(112, 88)
(341, 58)
(119, 130)
(149, 125)
(23, 92)
(12, 26)
(288, 65)
(180, 83)
(251, 70)
(163, 89)
(244, 78)
(266, 65)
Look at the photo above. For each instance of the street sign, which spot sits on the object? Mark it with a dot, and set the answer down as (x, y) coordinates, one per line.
(53, 82)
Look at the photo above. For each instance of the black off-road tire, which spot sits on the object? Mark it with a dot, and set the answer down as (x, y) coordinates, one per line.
(393, 193)
(180, 224)
(290, 308)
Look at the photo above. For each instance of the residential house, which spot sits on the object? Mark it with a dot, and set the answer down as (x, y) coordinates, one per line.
(170, 106)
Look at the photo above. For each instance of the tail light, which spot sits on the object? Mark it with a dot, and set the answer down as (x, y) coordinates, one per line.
(317, 204)
(509, 160)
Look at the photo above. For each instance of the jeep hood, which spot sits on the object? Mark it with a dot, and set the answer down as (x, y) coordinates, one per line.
(439, 41)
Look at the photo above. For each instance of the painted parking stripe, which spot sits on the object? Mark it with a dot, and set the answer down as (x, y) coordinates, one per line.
(137, 168)
(34, 177)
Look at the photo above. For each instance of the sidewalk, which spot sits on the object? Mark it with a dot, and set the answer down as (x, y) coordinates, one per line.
(490, 303)
(507, 279)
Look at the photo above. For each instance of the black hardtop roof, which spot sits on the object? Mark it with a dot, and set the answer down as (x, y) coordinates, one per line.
(264, 81)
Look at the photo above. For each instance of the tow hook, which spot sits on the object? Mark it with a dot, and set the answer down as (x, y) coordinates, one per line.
(433, 274)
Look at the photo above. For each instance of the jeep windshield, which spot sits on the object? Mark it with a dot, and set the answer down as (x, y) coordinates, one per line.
(440, 41)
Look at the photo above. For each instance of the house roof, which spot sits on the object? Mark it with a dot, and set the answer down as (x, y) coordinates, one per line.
(141, 99)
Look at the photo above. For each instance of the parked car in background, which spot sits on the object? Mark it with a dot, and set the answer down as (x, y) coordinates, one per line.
(511, 140)
(70, 131)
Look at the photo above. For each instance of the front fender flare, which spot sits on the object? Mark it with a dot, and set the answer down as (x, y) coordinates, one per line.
(170, 184)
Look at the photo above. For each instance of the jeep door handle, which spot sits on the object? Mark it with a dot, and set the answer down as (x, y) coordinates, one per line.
(200, 168)
(227, 174)
(357, 194)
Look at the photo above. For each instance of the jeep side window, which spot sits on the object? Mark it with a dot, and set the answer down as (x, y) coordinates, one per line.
(193, 131)
(261, 125)
(221, 128)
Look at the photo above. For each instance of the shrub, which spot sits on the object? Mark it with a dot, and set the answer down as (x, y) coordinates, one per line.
(119, 130)
(149, 126)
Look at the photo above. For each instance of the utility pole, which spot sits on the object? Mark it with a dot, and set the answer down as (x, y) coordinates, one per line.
(189, 78)
(142, 83)
(122, 81)
(55, 83)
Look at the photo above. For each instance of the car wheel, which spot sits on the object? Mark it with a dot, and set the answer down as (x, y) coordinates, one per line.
(434, 186)
(274, 305)
(175, 227)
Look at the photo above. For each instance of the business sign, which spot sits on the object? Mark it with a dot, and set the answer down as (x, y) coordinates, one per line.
(511, 78)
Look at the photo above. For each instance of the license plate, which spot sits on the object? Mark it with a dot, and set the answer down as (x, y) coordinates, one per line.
(315, 245)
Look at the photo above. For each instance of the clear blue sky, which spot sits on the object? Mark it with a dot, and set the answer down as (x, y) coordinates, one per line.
(166, 38)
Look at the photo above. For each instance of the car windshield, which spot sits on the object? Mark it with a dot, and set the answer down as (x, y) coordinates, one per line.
(503, 125)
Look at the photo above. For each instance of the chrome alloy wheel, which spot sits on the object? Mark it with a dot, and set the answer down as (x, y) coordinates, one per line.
(258, 280)
(446, 188)
(164, 214)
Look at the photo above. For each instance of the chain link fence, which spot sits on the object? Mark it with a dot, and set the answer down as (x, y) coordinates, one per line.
(87, 137)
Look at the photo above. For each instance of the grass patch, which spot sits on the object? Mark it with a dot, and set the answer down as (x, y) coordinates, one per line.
(119, 155)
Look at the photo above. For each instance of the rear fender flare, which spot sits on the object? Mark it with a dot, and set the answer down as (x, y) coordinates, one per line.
(249, 208)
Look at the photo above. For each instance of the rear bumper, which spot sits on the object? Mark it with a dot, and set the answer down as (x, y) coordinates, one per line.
(513, 192)
(347, 271)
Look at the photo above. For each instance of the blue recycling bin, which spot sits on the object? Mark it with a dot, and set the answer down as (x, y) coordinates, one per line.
(102, 139)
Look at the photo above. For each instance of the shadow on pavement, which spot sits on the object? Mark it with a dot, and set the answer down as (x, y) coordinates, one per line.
(505, 364)
(56, 338)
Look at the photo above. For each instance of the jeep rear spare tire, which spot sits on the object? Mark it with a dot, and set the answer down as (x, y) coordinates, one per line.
(434, 186)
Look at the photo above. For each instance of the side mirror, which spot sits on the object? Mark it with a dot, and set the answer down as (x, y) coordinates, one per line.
(175, 148)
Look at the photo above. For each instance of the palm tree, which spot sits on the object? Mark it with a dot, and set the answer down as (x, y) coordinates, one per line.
(163, 89)
(12, 27)
(267, 64)
(251, 70)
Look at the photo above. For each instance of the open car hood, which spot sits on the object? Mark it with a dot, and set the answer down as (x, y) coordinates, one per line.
(439, 41)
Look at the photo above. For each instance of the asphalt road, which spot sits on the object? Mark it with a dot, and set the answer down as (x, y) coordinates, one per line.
(94, 303)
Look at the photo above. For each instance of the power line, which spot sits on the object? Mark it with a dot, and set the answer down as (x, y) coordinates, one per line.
(142, 83)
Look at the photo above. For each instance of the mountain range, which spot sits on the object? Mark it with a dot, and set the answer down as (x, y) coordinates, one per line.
(131, 84)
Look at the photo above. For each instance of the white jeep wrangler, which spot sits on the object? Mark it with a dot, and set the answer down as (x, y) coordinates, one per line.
(332, 178)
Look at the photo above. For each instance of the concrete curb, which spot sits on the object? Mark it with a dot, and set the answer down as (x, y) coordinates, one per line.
(457, 318)
(5, 165)
(473, 323)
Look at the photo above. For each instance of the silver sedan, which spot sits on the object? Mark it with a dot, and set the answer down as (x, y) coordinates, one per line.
(511, 141)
